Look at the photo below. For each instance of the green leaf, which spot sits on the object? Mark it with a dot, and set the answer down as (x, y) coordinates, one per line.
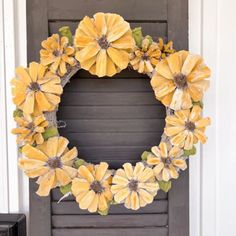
(18, 113)
(50, 132)
(165, 186)
(138, 36)
(78, 163)
(65, 189)
(149, 38)
(190, 152)
(66, 32)
(199, 103)
(145, 155)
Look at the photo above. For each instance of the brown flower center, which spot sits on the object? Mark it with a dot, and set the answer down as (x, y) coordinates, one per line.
(190, 126)
(145, 57)
(180, 80)
(103, 43)
(54, 162)
(56, 53)
(96, 186)
(34, 86)
(30, 126)
(133, 185)
(167, 161)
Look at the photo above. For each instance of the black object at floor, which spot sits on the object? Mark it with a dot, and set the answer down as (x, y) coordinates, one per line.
(12, 225)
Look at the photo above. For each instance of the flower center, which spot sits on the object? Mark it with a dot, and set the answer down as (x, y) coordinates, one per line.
(54, 162)
(103, 43)
(56, 53)
(167, 161)
(190, 126)
(145, 57)
(133, 185)
(34, 86)
(180, 80)
(30, 126)
(96, 186)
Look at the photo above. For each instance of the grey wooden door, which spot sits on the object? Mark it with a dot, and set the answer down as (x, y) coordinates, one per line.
(110, 119)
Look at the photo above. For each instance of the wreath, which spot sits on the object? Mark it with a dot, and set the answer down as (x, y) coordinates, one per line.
(104, 45)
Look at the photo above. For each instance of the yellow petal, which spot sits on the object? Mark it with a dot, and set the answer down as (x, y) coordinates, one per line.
(179, 139)
(174, 120)
(183, 114)
(101, 63)
(163, 69)
(88, 63)
(23, 75)
(173, 172)
(119, 57)
(72, 172)
(79, 185)
(158, 168)
(195, 113)
(88, 27)
(180, 163)
(87, 200)
(146, 175)
(121, 195)
(101, 170)
(200, 135)
(153, 161)
(174, 63)
(175, 152)
(155, 150)
(128, 170)
(94, 205)
(163, 149)
(33, 173)
(61, 145)
(62, 177)
(33, 153)
(85, 173)
(188, 144)
(111, 69)
(42, 101)
(173, 130)
(33, 71)
(128, 202)
(190, 63)
(146, 196)
(46, 184)
(165, 174)
(100, 23)
(102, 202)
(29, 103)
(52, 144)
(87, 53)
(134, 200)
(117, 31)
(138, 169)
(203, 122)
(70, 155)
(30, 164)
(125, 42)
(120, 180)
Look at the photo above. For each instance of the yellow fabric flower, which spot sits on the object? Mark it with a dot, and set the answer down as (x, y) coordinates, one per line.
(91, 187)
(30, 129)
(35, 90)
(186, 127)
(145, 59)
(103, 43)
(57, 54)
(51, 162)
(180, 79)
(166, 49)
(166, 162)
(135, 186)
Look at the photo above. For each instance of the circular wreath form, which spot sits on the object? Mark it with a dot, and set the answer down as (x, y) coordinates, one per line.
(104, 45)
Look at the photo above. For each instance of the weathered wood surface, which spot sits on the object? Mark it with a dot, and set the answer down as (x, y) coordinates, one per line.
(110, 119)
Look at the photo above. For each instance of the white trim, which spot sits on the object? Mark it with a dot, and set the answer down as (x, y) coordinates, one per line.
(13, 45)
(203, 39)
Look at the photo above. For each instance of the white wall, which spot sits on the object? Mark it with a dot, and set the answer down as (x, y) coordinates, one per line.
(212, 33)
